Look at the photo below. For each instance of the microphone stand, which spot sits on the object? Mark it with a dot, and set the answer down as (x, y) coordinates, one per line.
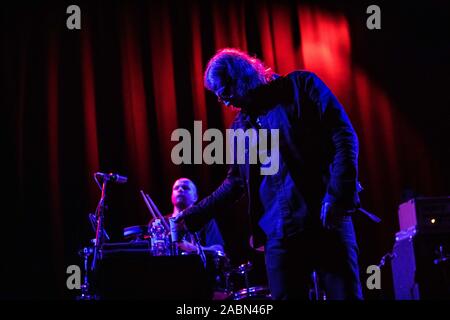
(100, 232)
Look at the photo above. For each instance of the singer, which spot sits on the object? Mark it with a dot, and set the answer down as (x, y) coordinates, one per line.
(301, 214)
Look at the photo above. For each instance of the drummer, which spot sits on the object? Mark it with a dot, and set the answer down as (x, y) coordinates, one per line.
(184, 194)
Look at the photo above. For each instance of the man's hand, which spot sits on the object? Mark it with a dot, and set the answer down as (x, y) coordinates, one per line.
(326, 214)
(330, 213)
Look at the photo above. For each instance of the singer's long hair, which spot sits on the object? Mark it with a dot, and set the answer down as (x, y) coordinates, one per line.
(235, 67)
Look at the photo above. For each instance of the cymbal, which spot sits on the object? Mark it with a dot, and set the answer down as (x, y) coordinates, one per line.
(135, 231)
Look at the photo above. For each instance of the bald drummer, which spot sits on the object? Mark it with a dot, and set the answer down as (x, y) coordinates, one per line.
(184, 195)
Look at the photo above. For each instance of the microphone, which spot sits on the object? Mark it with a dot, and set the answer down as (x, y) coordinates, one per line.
(113, 177)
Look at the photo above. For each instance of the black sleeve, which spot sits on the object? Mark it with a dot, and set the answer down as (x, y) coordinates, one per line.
(342, 186)
(231, 190)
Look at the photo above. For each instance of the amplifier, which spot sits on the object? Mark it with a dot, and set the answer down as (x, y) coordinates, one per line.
(421, 265)
(425, 215)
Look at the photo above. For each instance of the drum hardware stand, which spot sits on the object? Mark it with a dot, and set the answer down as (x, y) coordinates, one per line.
(85, 253)
(100, 215)
(100, 233)
(200, 249)
(442, 256)
(93, 220)
(243, 269)
(228, 284)
(316, 293)
(227, 272)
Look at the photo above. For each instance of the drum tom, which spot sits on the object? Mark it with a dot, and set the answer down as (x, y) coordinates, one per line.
(219, 269)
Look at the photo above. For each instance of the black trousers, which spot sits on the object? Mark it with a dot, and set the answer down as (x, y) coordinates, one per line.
(332, 253)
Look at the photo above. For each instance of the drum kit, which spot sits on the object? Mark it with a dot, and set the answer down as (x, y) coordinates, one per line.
(223, 278)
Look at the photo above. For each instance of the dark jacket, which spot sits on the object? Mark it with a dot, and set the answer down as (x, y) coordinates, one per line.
(318, 147)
